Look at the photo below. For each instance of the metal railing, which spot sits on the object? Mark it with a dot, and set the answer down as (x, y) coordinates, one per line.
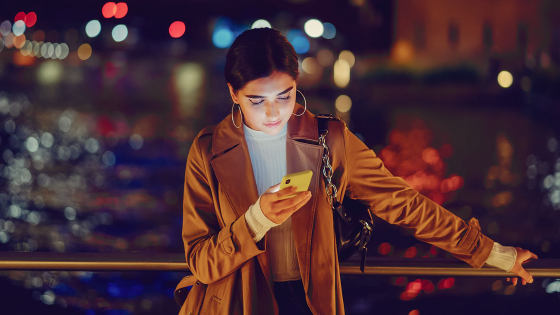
(133, 261)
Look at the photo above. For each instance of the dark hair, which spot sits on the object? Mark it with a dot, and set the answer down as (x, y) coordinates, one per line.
(256, 53)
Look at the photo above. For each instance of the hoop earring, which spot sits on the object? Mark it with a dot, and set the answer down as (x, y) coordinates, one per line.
(305, 103)
(233, 121)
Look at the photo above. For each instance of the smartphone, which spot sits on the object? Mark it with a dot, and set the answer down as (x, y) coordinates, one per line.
(301, 180)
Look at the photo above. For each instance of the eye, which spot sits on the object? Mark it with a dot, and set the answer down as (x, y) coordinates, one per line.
(285, 98)
(256, 103)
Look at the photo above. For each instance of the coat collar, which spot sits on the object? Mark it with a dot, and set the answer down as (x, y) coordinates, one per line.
(226, 135)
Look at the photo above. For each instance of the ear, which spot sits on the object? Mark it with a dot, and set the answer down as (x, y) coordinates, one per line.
(232, 94)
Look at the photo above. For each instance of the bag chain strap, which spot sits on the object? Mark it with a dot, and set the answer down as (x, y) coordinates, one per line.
(327, 170)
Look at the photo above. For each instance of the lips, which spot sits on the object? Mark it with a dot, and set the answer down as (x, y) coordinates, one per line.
(273, 124)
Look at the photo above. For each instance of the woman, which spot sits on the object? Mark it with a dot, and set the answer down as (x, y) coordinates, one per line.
(251, 252)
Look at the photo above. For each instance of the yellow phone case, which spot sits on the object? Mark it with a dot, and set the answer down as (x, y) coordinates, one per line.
(301, 180)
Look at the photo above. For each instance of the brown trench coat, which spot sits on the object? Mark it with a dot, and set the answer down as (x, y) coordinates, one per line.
(233, 274)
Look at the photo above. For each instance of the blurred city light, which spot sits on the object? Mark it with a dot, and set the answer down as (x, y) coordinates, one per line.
(505, 79)
(299, 41)
(93, 28)
(85, 51)
(30, 19)
(39, 36)
(120, 32)
(177, 29)
(5, 28)
(19, 28)
(19, 41)
(261, 24)
(121, 10)
(341, 73)
(343, 103)
(222, 37)
(313, 28)
(19, 17)
(109, 10)
(348, 56)
(402, 52)
(310, 65)
(329, 31)
(49, 72)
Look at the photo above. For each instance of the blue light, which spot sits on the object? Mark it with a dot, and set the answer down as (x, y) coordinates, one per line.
(330, 31)
(222, 37)
(301, 44)
(113, 289)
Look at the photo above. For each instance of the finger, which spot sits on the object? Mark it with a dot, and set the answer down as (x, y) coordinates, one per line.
(283, 204)
(273, 189)
(514, 281)
(285, 192)
(523, 282)
(299, 201)
(525, 275)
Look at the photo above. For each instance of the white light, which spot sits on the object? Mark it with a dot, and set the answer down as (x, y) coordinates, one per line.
(19, 28)
(261, 24)
(136, 142)
(32, 144)
(343, 103)
(120, 32)
(70, 213)
(64, 123)
(64, 51)
(47, 140)
(109, 158)
(57, 51)
(50, 50)
(93, 28)
(92, 145)
(313, 28)
(505, 79)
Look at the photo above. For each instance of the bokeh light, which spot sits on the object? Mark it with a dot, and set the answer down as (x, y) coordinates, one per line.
(121, 10)
(402, 52)
(49, 72)
(19, 28)
(325, 57)
(310, 65)
(177, 29)
(348, 56)
(341, 73)
(261, 24)
(505, 79)
(120, 32)
(299, 41)
(5, 28)
(109, 9)
(39, 36)
(30, 19)
(19, 41)
(19, 17)
(222, 37)
(85, 51)
(93, 28)
(343, 103)
(313, 28)
(329, 31)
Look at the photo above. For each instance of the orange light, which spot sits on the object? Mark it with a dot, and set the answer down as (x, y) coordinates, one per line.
(121, 9)
(177, 29)
(19, 41)
(20, 17)
(109, 10)
(414, 312)
(30, 19)
(23, 61)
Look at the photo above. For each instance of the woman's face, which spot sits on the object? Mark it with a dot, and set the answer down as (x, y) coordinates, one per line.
(267, 103)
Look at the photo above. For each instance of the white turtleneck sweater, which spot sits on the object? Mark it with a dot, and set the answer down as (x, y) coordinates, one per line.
(268, 158)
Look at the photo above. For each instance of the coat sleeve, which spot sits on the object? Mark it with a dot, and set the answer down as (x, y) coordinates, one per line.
(211, 252)
(393, 200)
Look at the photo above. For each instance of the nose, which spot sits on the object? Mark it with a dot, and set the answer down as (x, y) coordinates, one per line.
(272, 110)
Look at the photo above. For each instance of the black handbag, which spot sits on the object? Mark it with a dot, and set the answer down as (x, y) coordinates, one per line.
(352, 219)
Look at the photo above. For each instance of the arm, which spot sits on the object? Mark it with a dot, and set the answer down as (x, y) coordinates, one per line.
(211, 252)
(393, 200)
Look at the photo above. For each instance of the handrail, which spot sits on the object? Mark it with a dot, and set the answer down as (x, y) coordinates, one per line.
(134, 261)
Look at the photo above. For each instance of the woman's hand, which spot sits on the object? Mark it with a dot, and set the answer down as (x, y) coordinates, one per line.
(277, 210)
(523, 256)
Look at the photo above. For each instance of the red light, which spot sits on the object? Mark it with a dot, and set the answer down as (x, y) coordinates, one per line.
(121, 10)
(429, 288)
(20, 16)
(414, 312)
(410, 253)
(448, 283)
(177, 29)
(384, 248)
(109, 9)
(30, 19)
(400, 281)
(433, 250)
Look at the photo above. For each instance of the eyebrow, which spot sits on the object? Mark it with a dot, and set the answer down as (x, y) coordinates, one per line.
(283, 92)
